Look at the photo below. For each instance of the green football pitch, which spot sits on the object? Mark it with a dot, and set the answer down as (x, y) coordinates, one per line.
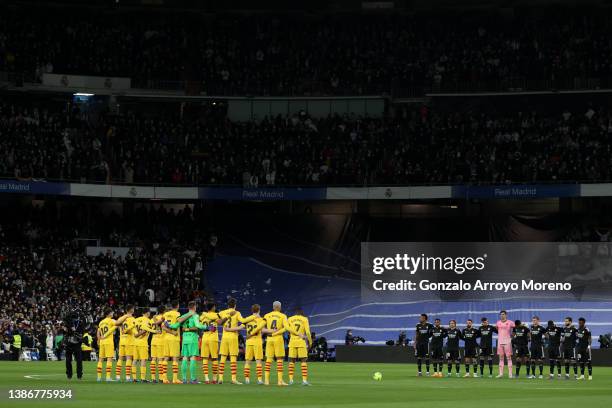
(333, 385)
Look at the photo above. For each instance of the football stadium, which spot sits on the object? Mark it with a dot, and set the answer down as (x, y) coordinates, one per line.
(325, 203)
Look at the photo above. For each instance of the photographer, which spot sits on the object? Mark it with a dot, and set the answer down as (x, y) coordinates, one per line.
(350, 340)
(74, 327)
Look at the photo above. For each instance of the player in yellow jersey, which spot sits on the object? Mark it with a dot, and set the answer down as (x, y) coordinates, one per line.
(275, 343)
(158, 354)
(126, 344)
(144, 328)
(172, 341)
(254, 345)
(299, 342)
(209, 349)
(231, 319)
(106, 342)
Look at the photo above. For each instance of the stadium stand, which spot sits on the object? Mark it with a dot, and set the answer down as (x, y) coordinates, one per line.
(317, 55)
(417, 146)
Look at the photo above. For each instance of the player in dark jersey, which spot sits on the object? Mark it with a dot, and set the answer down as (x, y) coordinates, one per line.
(437, 347)
(470, 334)
(537, 333)
(485, 332)
(553, 333)
(421, 344)
(520, 337)
(583, 349)
(568, 347)
(453, 335)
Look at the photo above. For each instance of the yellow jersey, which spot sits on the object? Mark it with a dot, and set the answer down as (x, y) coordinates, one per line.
(233, 321)
(298, 325)
(106, 328)
(172, 317)
(145, 324)
(276, 321)
(210, 318)
(253, 329)
(157, 336)
(128, 331)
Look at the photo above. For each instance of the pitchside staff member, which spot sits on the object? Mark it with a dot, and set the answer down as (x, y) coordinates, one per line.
(453, 335)
(437, 347)
(537, 333)
(520, 336)
(421, 345)
(485, 332)
(583, 349)
(470, 334)
(553, 333)
(568, 345)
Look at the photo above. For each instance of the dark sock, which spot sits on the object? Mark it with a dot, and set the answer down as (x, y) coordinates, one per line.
(481, 367)
(467, 368)
(541, 367)
(567, 368)
(528, 367)
(427, 365)
(582, 368)
(558, 366)
(518, 368)
(491, 366)
(575, 368)
(457, 367)
(552, 367)
(450, 367)
(419, 364)
(590, 368)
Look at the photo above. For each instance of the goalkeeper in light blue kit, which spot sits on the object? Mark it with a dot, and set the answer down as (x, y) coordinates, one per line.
(190, 325)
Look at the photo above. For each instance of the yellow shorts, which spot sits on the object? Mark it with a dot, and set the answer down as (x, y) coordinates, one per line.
(229, 347)
(106, 351)
(298, 352)
(158, 350)
(275, 348)
(141, 352)
(126, 350)
(173, 348)
(253, 352)
(209, 349)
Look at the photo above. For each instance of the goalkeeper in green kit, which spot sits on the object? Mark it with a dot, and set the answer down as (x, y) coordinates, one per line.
(190, 325)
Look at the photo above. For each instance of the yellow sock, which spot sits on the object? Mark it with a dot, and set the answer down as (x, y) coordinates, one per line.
(118, 368)
(304, 371)
(267, 373)
(215, 368)
(259, 371)
(109, 366)
(99, 369)
(291, 368)
(128, 369)
(221, 367)
(233, 367)
(143, 371)
(247, 370)
(175, 371)
(164, 370)
(205, 368)
(279, 370)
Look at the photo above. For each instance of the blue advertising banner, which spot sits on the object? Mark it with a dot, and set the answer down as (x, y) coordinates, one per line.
(517, 191)
(34, 187)
(261, 194)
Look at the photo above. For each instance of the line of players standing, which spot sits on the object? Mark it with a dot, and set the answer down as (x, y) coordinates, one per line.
(568, 344)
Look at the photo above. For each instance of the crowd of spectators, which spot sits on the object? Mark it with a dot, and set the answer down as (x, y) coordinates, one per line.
(45, 271)
(415, 146)
(342, 54)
